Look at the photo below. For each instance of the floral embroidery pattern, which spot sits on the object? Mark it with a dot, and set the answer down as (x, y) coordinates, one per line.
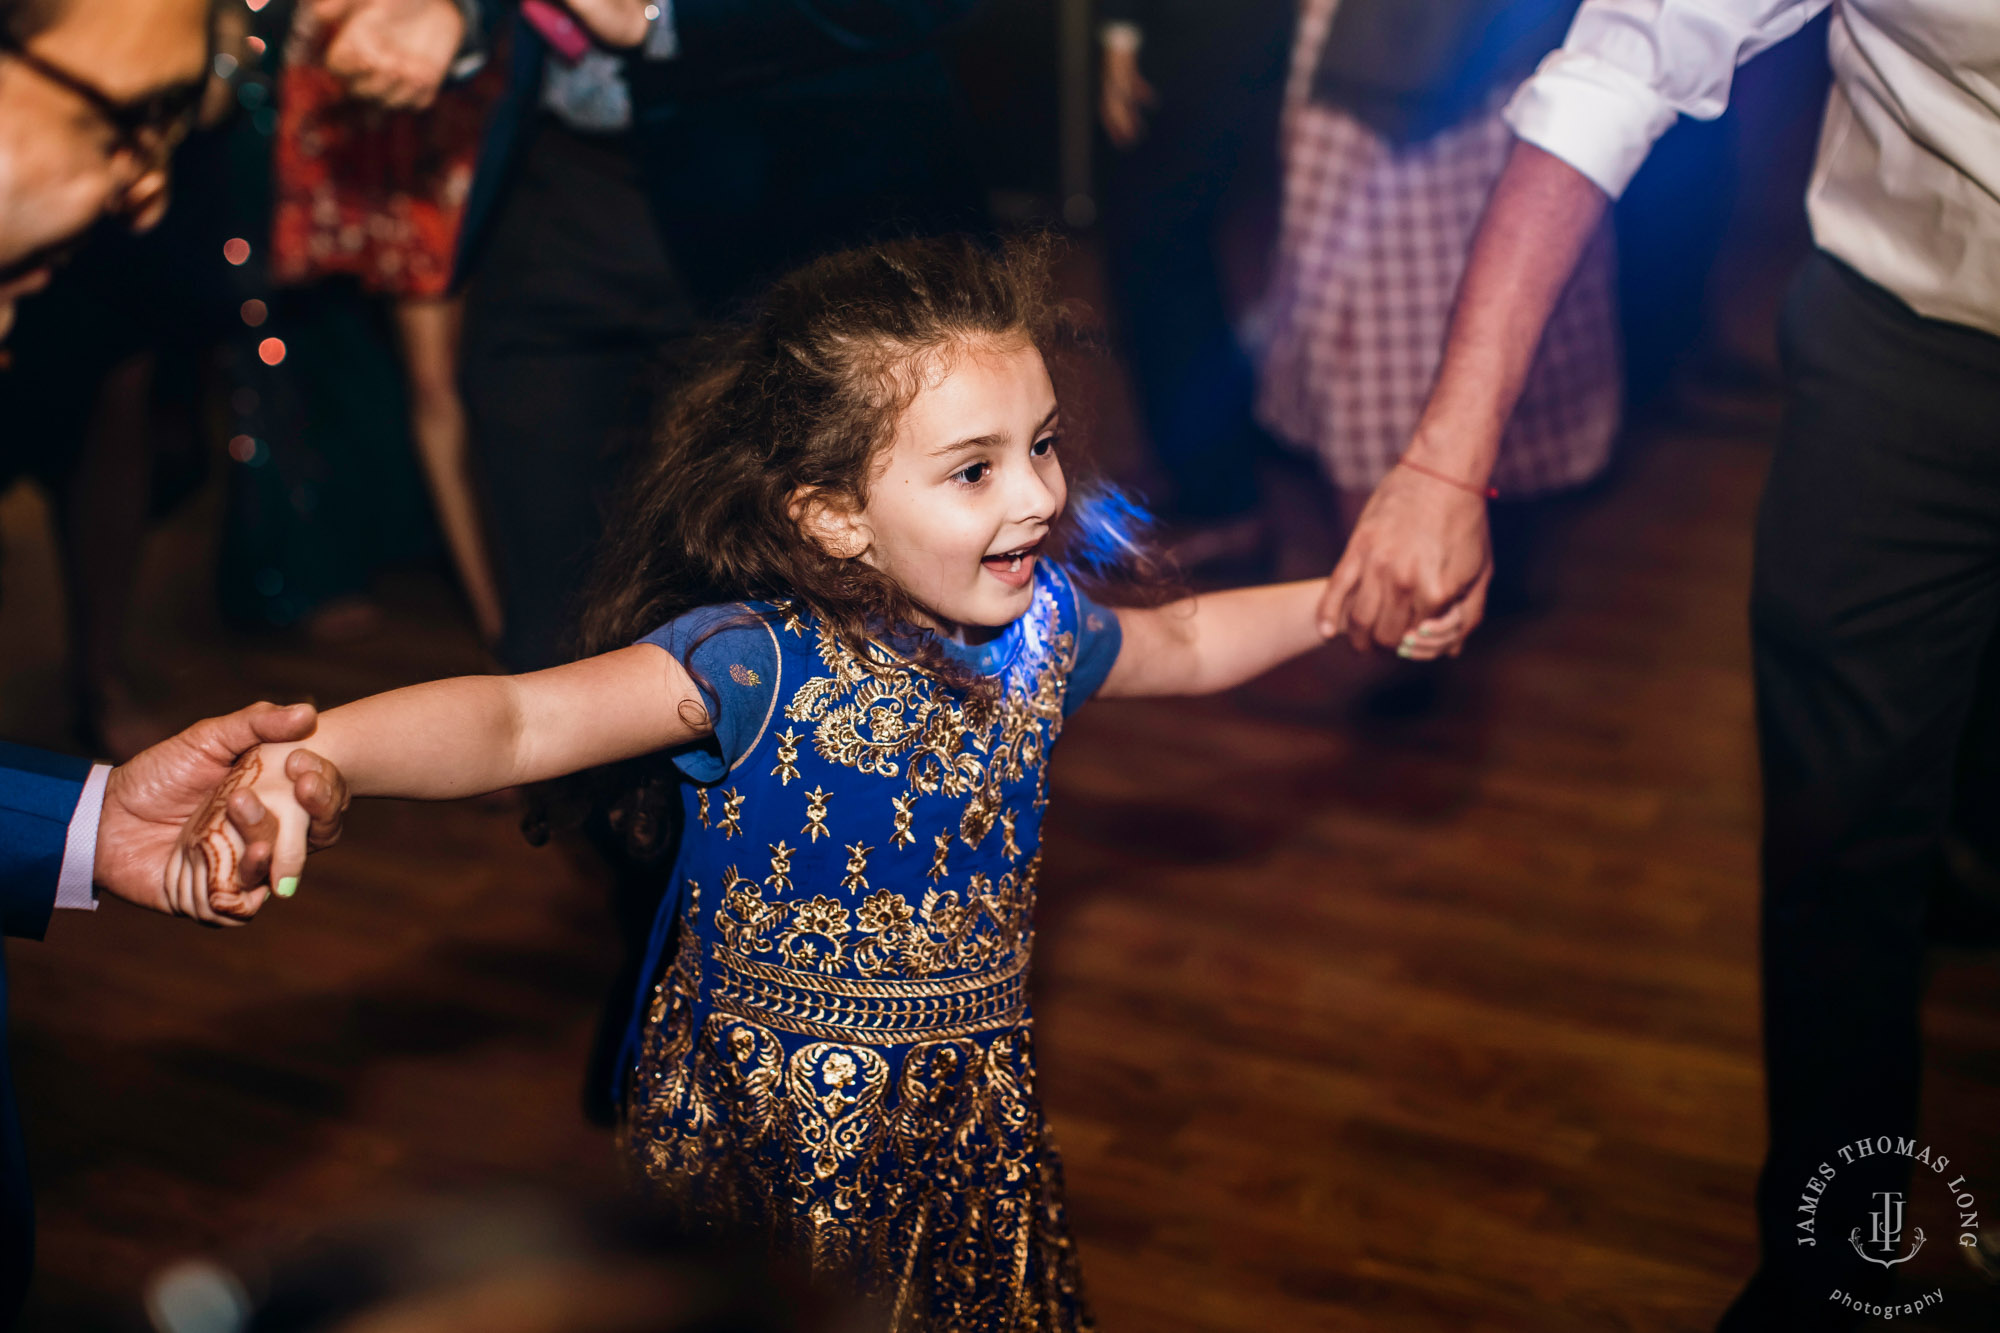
(787, 770)
(887, 719)
(781, 868)
(984, 927)
(732, 811)
(856, 879)
(849, 1070)
(816, 814)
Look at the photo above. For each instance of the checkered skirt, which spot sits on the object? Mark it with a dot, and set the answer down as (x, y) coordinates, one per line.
(1372, 242)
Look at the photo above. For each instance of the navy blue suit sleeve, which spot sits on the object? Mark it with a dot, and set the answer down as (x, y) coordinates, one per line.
(38, 794)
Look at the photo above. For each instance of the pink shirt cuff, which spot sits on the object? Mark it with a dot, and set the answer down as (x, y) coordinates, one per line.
(74, 887)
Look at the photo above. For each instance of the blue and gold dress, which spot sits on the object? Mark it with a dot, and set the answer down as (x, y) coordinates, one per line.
(839, 1052)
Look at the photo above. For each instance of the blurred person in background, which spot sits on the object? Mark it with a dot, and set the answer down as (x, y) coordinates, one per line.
(93, 96)
(104, 406)
(375, 195)
(1188, 98)
(1392, 141)
(1875, 594)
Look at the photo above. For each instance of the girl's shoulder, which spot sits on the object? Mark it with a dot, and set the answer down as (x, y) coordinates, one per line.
(1091, 631)
(732, 653)
(745, 633)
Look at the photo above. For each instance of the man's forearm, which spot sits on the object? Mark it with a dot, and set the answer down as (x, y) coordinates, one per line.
(1542, 214)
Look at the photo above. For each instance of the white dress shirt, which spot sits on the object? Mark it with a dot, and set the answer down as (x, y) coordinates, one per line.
(74, 880)
(1906, 188)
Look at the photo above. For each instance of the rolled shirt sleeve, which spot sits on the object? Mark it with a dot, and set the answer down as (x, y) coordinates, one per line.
(1629, 68)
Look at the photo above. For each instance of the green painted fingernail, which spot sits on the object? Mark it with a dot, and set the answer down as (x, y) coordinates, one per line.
(288, 886)
(1403, 650)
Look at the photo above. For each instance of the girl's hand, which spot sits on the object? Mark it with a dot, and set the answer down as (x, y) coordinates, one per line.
(201, 878)
(1444, 635)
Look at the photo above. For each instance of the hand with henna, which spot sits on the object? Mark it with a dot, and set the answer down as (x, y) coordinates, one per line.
(188, 782)
(277, 804)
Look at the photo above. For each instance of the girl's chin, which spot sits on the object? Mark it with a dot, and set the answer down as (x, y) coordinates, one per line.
(982, 617)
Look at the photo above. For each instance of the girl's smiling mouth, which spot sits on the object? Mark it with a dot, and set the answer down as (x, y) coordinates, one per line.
(1013, 568)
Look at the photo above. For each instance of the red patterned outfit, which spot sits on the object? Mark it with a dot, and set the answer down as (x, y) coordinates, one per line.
(369, 192)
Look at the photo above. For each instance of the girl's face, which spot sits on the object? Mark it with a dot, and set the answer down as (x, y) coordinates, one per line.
(965, 493)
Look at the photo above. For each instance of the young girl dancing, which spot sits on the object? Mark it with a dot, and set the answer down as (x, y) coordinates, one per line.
(846, 614)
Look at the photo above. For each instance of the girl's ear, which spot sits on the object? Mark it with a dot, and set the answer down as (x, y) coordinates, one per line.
(830, 522)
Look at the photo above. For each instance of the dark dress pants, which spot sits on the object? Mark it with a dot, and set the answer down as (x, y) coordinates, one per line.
(1876, 597)
(1210, 143)
(567, 311)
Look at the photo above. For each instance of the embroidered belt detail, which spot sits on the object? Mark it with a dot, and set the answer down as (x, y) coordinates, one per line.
(870, 1012)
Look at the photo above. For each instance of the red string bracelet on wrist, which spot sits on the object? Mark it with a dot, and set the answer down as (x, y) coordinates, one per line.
(1484, 492)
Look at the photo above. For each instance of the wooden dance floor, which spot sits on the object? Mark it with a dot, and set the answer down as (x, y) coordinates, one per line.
(1441, 1024)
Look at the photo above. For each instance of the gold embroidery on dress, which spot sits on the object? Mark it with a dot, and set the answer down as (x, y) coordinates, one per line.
(816, 937)
(744, 675)
(744, 919)
(789, 618)
(902, 1142)
(780, 880)
(816, 800)
(732, 809)
(982, 927)
(931, 1180)
(856, 879)
(788, 758)
(701, 805)
(886, 718)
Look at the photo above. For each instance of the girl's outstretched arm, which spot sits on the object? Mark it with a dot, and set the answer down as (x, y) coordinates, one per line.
(452, 738)
(1214, 641)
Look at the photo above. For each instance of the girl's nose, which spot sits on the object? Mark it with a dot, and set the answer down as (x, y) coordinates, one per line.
(1038, 497)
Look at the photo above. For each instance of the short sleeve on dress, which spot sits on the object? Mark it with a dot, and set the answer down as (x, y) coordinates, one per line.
(1098, 639)
(732, 654)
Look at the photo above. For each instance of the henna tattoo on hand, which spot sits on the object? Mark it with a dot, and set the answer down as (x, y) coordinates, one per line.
(219, 854)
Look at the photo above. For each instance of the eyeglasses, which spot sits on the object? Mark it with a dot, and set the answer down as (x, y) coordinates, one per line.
(145, 129)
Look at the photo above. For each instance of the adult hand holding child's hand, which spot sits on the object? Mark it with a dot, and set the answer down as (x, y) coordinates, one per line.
(1415, 571)
(251, 837)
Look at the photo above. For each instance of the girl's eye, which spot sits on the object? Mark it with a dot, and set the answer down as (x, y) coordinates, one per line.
(1045, 446)
(972, 473)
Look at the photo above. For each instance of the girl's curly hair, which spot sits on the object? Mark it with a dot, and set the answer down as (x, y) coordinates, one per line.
(806, 393)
